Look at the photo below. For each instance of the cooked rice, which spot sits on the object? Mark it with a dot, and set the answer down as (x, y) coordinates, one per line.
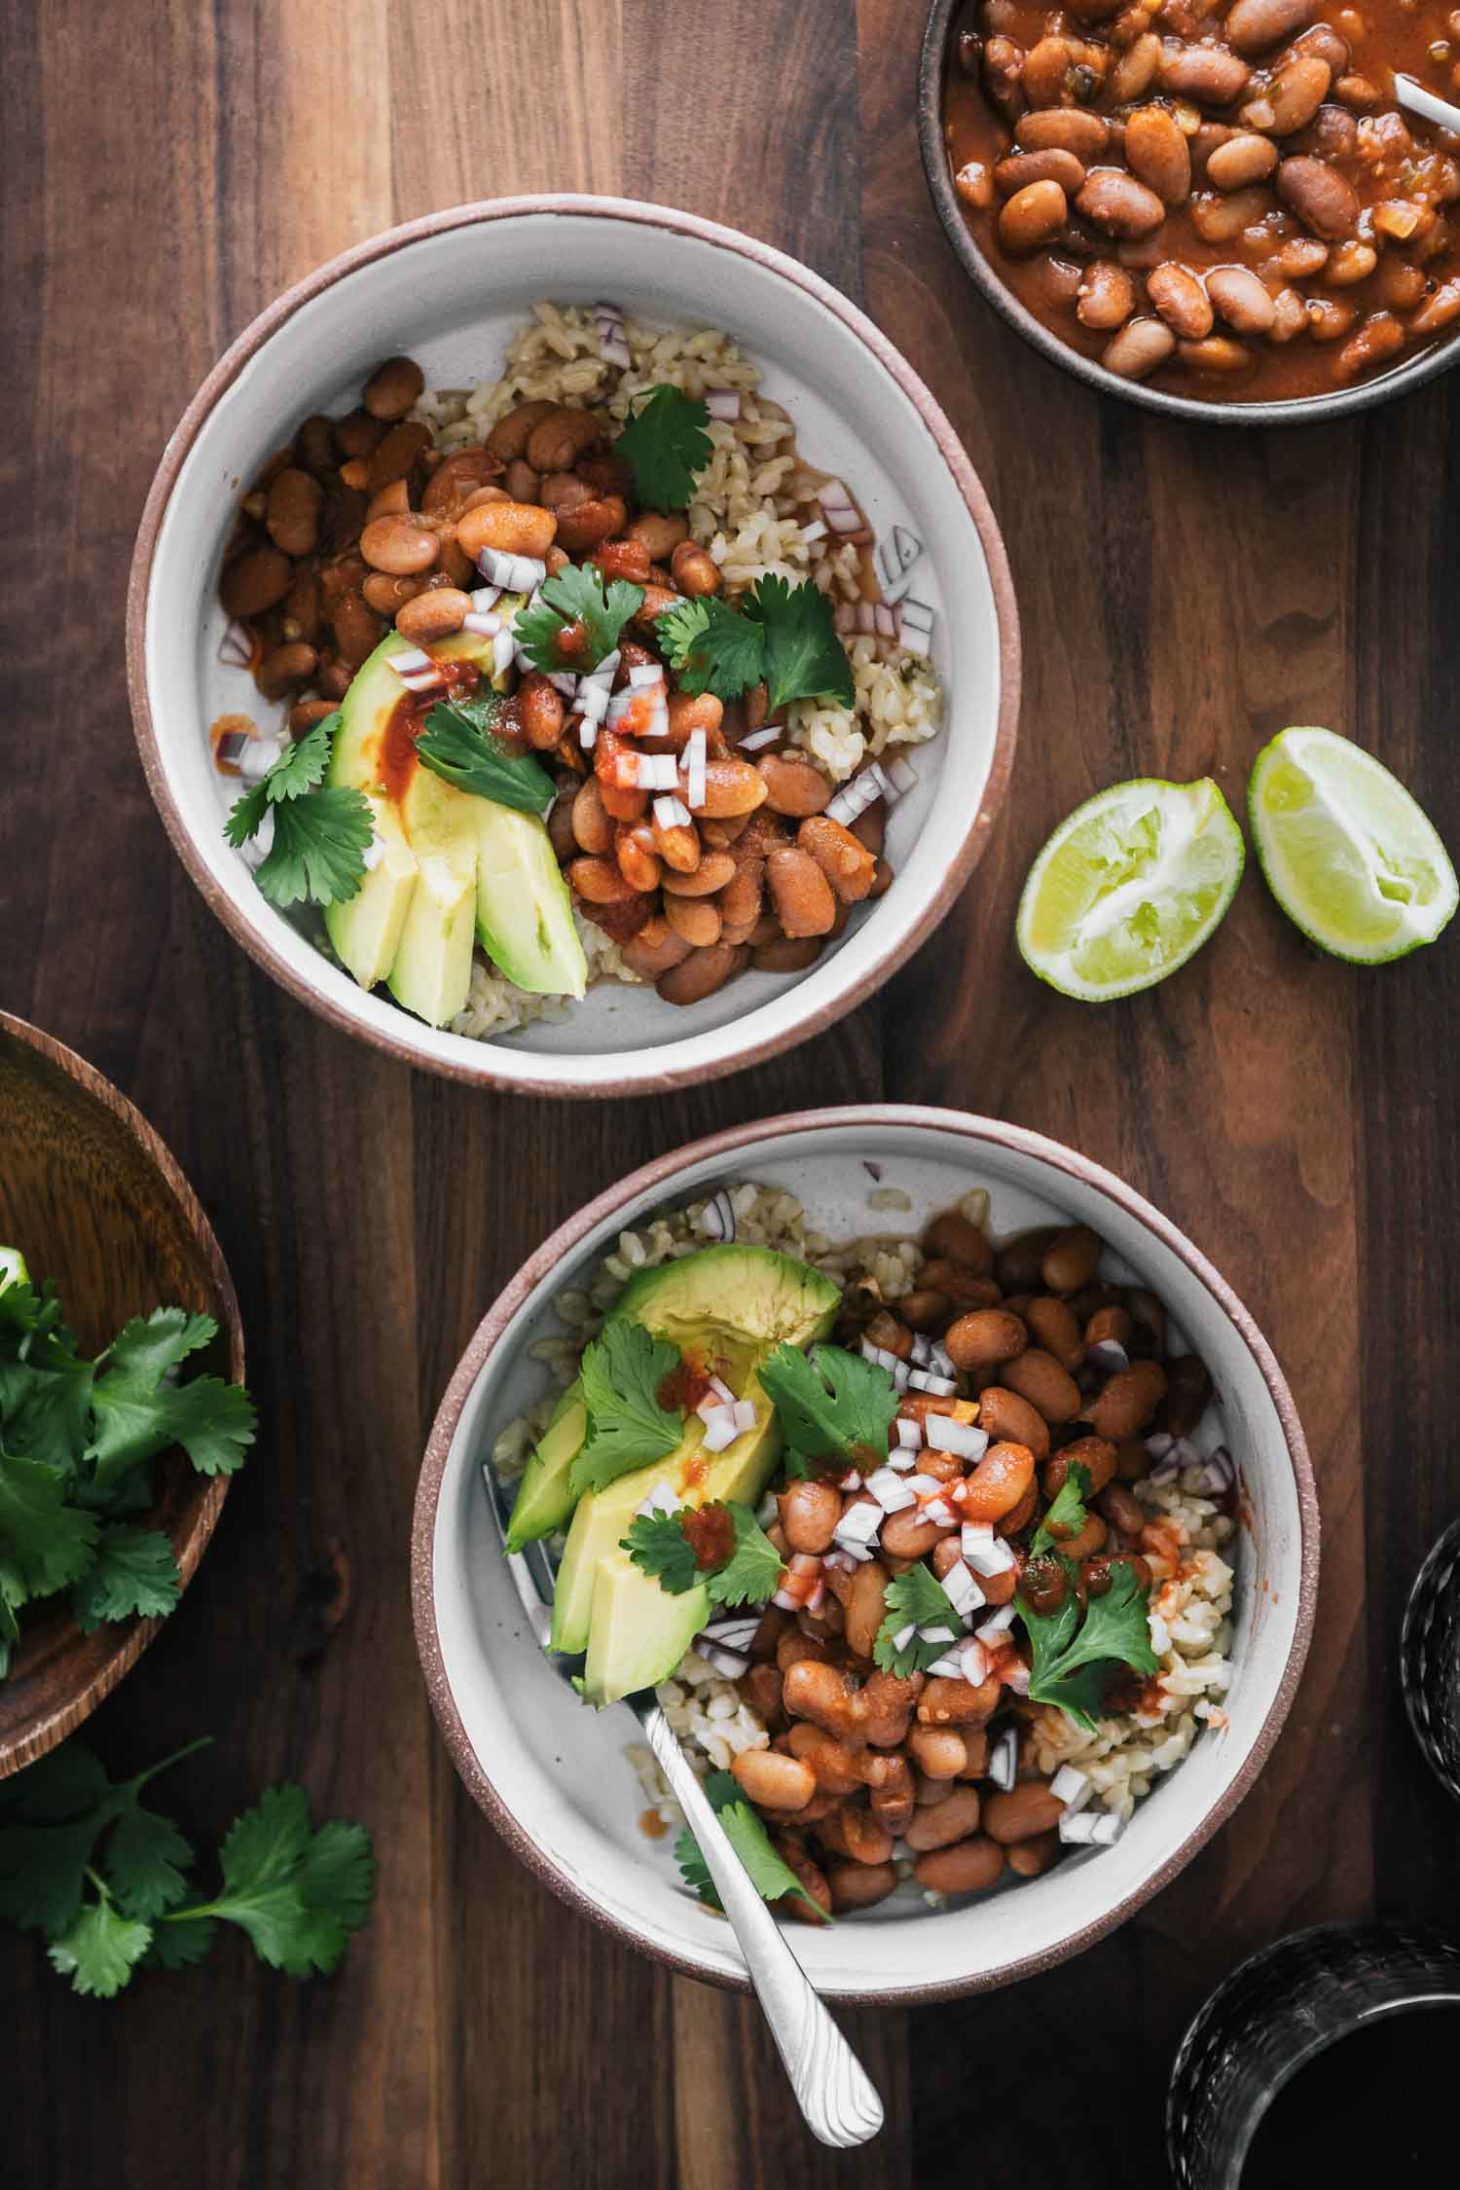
(745, 512)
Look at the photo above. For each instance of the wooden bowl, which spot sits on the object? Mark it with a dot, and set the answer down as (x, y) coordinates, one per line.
(96, 1202)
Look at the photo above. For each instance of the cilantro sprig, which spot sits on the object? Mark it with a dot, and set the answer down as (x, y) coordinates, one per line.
(579, 595)
(770, 1874)
(321, 835)
(1074, 1655)
(76, 1440)
(627, 1426)
(1067, 1513)
(659, 1544)
(779, 635)
(665, 445)
(460, 743)
(916, 1599)
(834, 1406)
(104, 1877)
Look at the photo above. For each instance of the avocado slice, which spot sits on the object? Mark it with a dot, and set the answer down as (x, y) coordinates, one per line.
(524, 905)
(637, 1631)
(431, 971)
(727, 1305)
(544, 1502)
(366, 929)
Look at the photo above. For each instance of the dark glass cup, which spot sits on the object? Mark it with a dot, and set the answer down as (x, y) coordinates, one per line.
(1429, 1659)
(1275, 2014)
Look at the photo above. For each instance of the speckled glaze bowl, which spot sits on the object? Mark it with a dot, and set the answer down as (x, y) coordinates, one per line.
(553, 1776)
(451, 290)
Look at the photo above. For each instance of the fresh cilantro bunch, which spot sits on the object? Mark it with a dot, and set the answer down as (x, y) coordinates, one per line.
(665, 444)
(459, 743)
(76, 1440)
(1075, 1655)
(779, 635)
(1067, 1511)
(772, 1877)
(86, 1862)
(916, 1599)
(320, 836)
(834, 1406)
(579, 594)
(659, 1544)
(627, 1426)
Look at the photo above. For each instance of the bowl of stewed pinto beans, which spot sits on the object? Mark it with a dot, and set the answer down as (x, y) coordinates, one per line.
(1215, 207)
(1012, 1670)
(532, 626)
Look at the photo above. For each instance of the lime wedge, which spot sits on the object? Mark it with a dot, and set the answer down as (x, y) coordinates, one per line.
(1129, 887)
(1347, 853)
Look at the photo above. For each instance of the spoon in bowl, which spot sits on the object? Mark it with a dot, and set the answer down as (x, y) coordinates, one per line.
(1421, 100)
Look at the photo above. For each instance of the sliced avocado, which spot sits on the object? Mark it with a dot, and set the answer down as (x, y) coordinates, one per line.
(544, 1502)
(366, 929)
(727, 1306)
(600, 1519)
(524, 906)
(637, 1631)
(431, 971)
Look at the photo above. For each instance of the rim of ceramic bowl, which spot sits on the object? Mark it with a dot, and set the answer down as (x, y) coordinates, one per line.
(482, 1070)
(977, 1131)
(134, 1636)
(1303, 410)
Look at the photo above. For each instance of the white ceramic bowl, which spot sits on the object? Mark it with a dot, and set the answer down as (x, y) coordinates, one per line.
(552, 1775)
(450, 290)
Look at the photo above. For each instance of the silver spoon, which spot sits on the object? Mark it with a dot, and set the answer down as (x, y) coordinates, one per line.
(1421, 100)
(833, 2090)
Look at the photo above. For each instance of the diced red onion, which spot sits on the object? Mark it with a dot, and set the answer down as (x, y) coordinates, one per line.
(917, 1484)
(373, 854)
(858, 1526)
(410, 661)
(670, 814)
(482, 626)
(755, 741)
(962, 1590)
(1077, 1831)
(260, 844)
(720, 1430)
(234, 650)
(990, 1558)
(890, 1490)
(695, 763)
(732, 1663)
(513, 573)
(231, 747)
(563, 681)
(1072, 1787)
(587, 733)
(608, 325)
(901, 776)
(915, 626)
(1014, 1674)
(843, 617)
(1158, 1444)
(853, 798)
(1108, 1356)
(850, 1481)
(745, 1416)
(661, 1499)
(717, 1218)
(884, 620)
(940, 1512)
(646, 673)
(992, 1631)
(909, 1434)
(923, 1380)
(1217, 1472)
(842, 1562)
(723, 403)
(963, 1438)
(879, 1355)
(504, 650)
(592, 701)
(838, 508)
(655, 771)
(922, 1350)
(940, 1359)
(485, 597)
(813, 532)
(737, 1630)
(1004, 1760)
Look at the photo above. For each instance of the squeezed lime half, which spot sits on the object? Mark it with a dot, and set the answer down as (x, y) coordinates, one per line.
(1350, 856)
(1129, 887)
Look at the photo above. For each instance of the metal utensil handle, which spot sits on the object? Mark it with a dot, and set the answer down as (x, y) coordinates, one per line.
(832, 2088)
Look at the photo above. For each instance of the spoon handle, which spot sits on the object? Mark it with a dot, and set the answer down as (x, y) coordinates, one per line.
(832, 2088)
(1421, 100)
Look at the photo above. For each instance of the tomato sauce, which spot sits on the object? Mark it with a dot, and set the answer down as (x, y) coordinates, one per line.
(710, 1533)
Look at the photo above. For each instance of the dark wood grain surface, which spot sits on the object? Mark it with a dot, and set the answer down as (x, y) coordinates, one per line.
(169, 168)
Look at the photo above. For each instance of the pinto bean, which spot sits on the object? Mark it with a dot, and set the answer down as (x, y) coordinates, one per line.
(732, 787)
(1138, 348)
(1439, 311)
(1243, 160)
(457, 478)
(773, 1781)
(696, 919)
(1106, 296)
(654, 950)
(1023, 1811)
(293, 510)
(1156, 150)
(393, 387)
(435, 615)
(908, 1536)
(793, 784)
(1323, 199)
(743, 894)
(714, 871)
(1122, 1509)
(560, 437)
(969, 1866)
(1292, 98)
(860, 1885)
(939, 1825)
(809, 1513)
(1241, 299)
(1022, 168)
(592, 826)
(1128, 1401)
(1036, 1376)
(800, 892)
(255, 581)
(398, 454)
(695, 570)
(699, 975)
(847, 865)
(959, 1703)
(1254, 25)
(1096, 1455)
(999, 1482)
(660, 533)
(1209, 75)
(1052, 1325)
(512, 528)
(402, 545)
(1027, 1858)
(1010, 1418)
(588, 524)
(986, 1336)
(939, 1751)
(1116, 202)
(1063, 129)
(787, 954)
(1135, 70)
(954, 1238)
(1032, 217)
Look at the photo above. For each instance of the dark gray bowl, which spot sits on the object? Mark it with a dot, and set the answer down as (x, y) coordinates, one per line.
(1300, 411)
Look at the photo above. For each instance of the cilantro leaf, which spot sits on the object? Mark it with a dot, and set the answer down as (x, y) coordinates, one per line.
(712, 647)
(299, 768)
(753, 1570)
(460, 744)
(184, 1944)
(297, 1893)
(146, 1863)
(1066, 1516)
(833, 1405)
(627, 1427)
(319, 847)
(916, 1599)
(44, 1542)
(134, 1571)
(137, 1416)
(160, 1341)
(770, 1874)
(804, 658)
(100, 1948)
(578, 594)
(51, 1818)
(665, 444)
(1115, 1631)
(44, 1410)
(658, 1545)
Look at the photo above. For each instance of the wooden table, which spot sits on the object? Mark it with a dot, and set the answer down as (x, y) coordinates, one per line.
(1184, 594)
